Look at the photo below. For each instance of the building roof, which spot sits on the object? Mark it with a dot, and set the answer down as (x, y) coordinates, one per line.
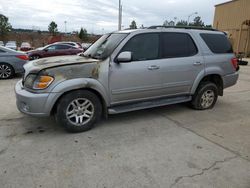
(232, 1)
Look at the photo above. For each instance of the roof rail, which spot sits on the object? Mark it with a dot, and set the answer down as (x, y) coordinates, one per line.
(183, 27)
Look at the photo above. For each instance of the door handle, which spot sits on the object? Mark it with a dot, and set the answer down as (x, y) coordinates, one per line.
(153, 67)
(197, 64)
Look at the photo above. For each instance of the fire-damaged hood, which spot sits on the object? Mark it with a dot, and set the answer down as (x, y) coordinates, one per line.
(51, 62)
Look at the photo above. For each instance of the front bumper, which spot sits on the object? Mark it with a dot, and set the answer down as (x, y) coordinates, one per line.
(34, 104)
(230, 80)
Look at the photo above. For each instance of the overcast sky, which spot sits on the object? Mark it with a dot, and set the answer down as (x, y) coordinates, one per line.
(99, 16)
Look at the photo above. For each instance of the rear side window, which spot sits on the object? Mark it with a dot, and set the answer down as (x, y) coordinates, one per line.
(217, 43)
(143, 46)
(178, 45)
(63, 47)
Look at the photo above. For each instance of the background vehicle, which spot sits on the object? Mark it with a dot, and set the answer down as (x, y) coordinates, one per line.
(74, 44)
(127, 71)
(85, 46)
(11, 62)
(1, 43)
(53, 50)
(11, 44)
(25, 46)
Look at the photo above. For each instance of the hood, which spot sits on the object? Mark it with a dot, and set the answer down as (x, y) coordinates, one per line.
(45, 63)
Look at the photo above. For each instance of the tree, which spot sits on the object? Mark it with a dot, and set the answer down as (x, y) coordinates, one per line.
(165, 23)
(53, 28)
(169, 23)
(133, 25)
(83, 34)
(197, 22)
(5, 26)
(182, 23)
(142, 26)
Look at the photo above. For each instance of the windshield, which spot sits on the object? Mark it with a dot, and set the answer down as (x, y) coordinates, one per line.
(103, 47)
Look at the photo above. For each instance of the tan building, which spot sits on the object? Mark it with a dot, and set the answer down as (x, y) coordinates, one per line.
(233, 17)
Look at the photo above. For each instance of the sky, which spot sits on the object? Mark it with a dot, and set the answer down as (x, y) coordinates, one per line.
(101, 16)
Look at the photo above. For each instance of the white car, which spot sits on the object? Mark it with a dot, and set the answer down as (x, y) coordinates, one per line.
(11, 44)
(85, 46)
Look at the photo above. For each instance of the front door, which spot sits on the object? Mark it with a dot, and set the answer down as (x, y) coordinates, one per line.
(138, 79)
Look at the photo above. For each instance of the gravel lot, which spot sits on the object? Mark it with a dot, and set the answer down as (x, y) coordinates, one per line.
(171, 146)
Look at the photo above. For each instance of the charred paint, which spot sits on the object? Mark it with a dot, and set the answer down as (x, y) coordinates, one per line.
(96, 71)
(73, 71)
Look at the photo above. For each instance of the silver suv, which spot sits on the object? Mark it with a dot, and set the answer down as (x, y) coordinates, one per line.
(129, 70)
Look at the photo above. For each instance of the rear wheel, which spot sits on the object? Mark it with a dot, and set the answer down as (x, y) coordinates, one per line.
(34, 57)
(78, 111)
(6, 71)
(205, 96)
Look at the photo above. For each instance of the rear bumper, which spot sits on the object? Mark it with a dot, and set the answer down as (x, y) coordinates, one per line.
(230, 80)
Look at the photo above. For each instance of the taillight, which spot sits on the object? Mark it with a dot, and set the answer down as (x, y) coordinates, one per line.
(234, 62)
(23, 57)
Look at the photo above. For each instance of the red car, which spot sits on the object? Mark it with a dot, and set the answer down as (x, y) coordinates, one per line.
(25, 46)
(53, 50)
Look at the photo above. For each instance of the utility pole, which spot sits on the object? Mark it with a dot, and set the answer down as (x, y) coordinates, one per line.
(65, 22)
(120, 16)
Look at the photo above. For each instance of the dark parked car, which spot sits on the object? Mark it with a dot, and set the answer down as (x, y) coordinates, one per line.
(25, 46)
(53, 50)
(11, 62)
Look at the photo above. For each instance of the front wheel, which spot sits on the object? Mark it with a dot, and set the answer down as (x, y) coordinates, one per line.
(78, 111)
(205, 97)
(34, 57)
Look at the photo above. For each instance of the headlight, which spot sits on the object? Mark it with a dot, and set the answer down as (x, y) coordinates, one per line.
(38, 81)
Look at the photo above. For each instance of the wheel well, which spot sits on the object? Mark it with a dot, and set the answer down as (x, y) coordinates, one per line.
(216, 79)
(104, 106)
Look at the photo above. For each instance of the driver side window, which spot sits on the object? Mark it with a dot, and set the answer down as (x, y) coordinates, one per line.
(143, 46)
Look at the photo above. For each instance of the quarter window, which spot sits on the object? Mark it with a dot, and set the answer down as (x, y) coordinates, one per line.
(178, 45)
(143, 47)
(217, 43)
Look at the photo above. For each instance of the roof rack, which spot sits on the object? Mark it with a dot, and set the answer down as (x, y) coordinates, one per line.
(183, 27)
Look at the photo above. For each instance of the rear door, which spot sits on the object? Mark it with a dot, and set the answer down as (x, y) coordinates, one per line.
(64, 49)
(181, 63)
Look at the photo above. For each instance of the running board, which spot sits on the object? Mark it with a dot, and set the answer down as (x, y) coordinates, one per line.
(148, 104)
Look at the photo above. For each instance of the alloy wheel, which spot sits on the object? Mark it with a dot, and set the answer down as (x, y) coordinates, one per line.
(5, 71)
(207, 99)
(80, 111)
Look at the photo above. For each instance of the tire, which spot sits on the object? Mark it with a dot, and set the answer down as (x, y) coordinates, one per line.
(243, 62)
(6, 71)
(78, 111)
(34, 57)
(205, 97)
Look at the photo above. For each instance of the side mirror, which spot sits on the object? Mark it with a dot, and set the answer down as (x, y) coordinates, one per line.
(124, 57)
(46, 50)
